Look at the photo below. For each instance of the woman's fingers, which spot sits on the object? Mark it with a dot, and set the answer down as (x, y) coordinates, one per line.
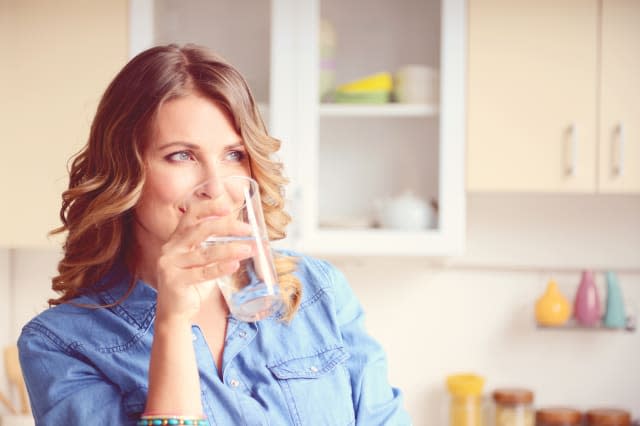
(209, 272)
(204, 255)
(190, 237)
(186, 260)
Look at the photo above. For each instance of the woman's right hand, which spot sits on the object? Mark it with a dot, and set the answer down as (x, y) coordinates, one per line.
(186, 270)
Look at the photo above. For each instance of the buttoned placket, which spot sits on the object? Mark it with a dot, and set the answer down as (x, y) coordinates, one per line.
(239, 336)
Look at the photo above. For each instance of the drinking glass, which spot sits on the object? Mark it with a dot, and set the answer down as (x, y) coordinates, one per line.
(252, 292)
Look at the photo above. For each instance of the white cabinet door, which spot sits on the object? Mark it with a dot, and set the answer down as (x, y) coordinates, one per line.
(619, 160)
(349, 156)
(532, 95)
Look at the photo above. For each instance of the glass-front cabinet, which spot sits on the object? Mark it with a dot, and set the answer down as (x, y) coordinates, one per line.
(367, 97)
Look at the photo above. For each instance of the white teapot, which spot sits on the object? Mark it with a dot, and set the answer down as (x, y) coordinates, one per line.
(405, 212)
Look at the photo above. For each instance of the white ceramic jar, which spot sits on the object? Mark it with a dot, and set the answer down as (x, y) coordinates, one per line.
(405, 212)
(416, 84)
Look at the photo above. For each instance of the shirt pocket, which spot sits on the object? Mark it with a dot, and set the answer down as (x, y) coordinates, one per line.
(317, 388)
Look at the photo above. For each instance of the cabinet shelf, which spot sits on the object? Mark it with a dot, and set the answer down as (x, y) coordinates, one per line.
(382, 110)
(574, 325)
(347, 242)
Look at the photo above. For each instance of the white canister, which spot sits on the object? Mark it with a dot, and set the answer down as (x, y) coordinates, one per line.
(416, 84)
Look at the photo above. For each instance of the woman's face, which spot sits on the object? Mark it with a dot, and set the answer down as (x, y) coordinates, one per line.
(191, 140)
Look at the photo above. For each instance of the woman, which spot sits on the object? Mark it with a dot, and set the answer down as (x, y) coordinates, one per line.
(136, 332)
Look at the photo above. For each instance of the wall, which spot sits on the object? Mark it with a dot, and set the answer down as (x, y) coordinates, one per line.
(58, 59)
(473, 313)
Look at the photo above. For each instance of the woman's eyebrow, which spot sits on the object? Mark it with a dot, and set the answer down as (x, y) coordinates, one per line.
(179, 144)
(239, 144)
(196, 147)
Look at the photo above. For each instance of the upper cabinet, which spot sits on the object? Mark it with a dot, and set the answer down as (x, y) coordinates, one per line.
(619, 127)
(362, 167)
(554, 104)
(58, 58)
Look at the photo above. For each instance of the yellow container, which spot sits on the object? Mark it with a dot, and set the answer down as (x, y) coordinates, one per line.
(465, 407)
(377, 82)
(552, 308)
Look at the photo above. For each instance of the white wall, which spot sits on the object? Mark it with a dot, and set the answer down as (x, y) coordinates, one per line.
(473, 313)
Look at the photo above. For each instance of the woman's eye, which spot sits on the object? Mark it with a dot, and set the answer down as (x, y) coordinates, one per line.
(236, 155)
(181, 156)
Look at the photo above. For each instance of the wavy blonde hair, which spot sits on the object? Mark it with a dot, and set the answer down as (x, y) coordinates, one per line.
(107, 176)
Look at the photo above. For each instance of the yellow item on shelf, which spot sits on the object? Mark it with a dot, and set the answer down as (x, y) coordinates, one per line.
(465, 408)
(377, 82)
(465, 384)
(552, 309)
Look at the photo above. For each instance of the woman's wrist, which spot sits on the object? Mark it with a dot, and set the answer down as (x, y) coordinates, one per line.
(171, 321)
(170, 419)
(174, 384)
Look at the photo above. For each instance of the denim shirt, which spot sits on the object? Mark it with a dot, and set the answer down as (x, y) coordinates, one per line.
(90, 365)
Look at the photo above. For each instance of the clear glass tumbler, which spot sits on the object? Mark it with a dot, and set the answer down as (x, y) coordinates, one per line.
(252, 292)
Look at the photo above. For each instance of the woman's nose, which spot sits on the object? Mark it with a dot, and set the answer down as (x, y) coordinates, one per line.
(211, 188)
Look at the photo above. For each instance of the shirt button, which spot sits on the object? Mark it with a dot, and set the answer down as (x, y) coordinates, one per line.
(194, 337)
(313, 369)
(234, 383)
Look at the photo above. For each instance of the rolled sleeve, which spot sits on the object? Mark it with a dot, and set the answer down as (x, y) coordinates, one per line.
(375, 400)
(64, 388)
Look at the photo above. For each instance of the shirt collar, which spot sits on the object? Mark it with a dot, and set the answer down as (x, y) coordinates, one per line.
(137, 307)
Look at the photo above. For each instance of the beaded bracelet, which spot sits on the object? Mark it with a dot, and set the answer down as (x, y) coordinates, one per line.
(171, 420)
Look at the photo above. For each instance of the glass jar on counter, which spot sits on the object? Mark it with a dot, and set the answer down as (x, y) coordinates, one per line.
(608, 417)
(558, 417)
(513, 407)
(466, 404)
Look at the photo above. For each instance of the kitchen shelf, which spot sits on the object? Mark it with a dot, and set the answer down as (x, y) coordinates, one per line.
(378, 110)
(574, 325)
(429, 242)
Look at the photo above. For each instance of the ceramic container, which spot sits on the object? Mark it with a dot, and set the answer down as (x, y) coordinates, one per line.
(587, 307)
(405, 212)
(614, 315)
(552, 308)
(416, 84)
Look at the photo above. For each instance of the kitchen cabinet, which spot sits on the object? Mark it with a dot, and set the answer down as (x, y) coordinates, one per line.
(341, 159)
(553, 98)
(619, 150)
(58, 58)
(346, 159)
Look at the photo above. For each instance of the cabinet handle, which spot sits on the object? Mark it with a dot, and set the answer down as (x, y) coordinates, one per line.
(573, 148)
(618, 157)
